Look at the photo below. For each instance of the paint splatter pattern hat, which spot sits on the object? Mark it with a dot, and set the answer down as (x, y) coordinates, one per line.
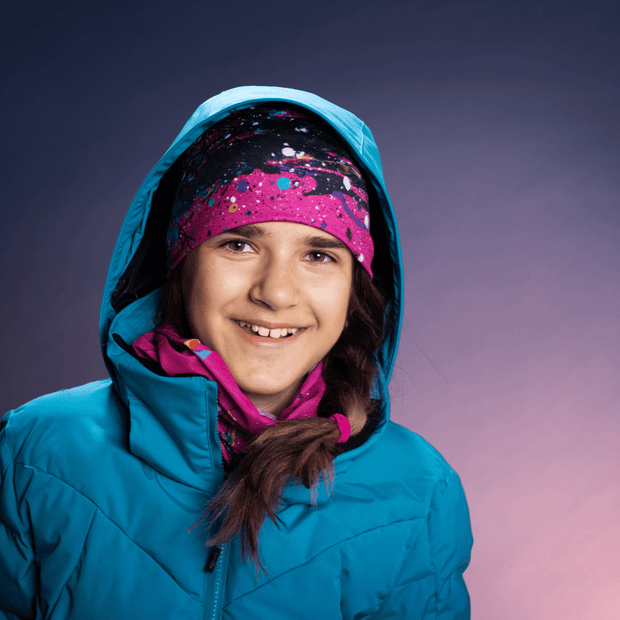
(268, 164)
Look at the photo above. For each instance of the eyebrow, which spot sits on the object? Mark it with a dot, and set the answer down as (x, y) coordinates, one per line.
(249, 231)
(325, 243)
(254, 231)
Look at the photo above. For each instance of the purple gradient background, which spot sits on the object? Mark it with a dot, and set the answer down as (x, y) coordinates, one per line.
(499, 130)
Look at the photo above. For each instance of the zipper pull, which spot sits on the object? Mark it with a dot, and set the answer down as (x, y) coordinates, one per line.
(214, 556)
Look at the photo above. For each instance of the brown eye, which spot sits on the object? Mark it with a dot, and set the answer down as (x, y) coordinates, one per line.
(319, 257)
(238, 247)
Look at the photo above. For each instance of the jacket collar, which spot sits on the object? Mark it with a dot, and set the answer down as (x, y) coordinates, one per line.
(172, 420)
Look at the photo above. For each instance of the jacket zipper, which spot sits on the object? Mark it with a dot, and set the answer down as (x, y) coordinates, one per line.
(217, 560)
(214, 554)
(220, 568)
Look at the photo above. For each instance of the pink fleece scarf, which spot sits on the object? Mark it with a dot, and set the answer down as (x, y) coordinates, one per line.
(239, 420)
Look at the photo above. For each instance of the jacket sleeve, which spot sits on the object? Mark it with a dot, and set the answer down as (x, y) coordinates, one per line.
(17, 563)
(447, 541)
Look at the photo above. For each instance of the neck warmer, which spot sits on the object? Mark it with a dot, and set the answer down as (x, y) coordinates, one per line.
(239, 420)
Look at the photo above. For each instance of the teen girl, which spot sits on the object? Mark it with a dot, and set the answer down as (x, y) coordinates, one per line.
(239, 463)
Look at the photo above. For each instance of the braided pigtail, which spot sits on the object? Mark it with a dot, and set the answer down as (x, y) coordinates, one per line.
(300, 450)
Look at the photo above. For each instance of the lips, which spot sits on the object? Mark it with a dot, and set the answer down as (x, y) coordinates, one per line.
(266, 332)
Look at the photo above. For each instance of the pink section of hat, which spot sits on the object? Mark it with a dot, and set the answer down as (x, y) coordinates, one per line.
(260, 197)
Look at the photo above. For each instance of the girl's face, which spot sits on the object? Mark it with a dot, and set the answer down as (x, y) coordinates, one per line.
(272, 300)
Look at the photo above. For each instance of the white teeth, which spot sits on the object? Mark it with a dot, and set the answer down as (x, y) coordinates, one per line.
(272, 333)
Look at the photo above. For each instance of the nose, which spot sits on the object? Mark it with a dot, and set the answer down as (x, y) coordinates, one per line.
(275, 285)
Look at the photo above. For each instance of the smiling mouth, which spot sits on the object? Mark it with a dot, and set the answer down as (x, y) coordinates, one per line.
(281, 332)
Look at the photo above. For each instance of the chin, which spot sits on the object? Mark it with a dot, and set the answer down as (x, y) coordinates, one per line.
(268, 387)
(273, 385)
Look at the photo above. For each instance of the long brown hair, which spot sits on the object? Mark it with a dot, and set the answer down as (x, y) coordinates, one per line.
(302, 449)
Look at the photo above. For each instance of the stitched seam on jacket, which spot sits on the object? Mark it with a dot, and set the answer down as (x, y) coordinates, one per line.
(19, 520)
(208, 430)
(204, 594)
(226, 562)
(64, 585)
(445, 469)
(398, 587)
(397, 573)
(372, 529)
(10, 529)
(19, 534)
(109, 519)
(446, 480)
(217, 576)
(361, 130)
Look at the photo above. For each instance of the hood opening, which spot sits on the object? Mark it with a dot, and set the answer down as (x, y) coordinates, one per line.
(384, 276)
(147, 269)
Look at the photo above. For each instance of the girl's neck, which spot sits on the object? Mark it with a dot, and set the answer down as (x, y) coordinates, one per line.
(275, 403)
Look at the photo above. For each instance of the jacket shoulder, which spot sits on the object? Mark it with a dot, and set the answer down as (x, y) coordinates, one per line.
(56, 454)
(59, 423)
(410, 453)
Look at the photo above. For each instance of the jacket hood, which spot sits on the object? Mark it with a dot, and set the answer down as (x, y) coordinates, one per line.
(138, 266)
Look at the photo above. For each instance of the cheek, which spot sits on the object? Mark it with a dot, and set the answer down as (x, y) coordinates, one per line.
(334, 302)
(198, 313)
(205, 293)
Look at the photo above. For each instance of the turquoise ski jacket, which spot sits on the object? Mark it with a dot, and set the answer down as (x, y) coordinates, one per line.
(101, 484)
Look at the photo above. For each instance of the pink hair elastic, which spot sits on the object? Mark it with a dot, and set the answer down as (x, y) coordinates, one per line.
(344, 426)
